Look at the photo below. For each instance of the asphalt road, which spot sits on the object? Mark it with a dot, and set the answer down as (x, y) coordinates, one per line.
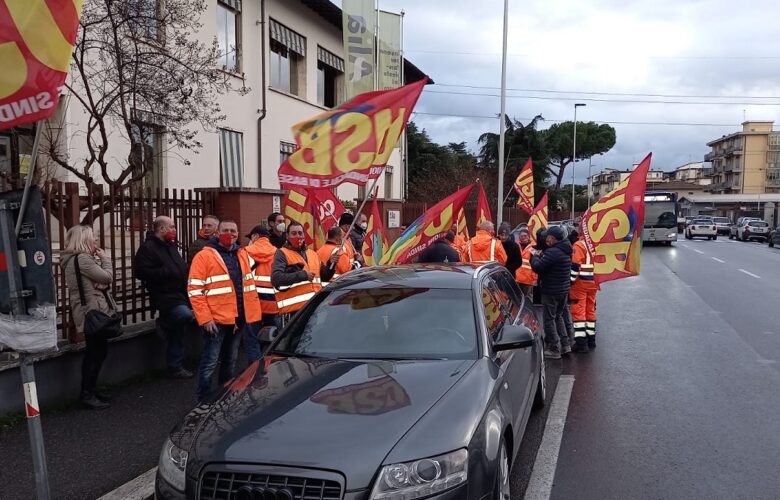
(681, 399)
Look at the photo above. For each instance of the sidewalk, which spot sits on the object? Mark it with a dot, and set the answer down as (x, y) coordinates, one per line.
(90, 453)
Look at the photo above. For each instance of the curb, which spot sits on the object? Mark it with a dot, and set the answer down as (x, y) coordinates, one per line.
(140, 488)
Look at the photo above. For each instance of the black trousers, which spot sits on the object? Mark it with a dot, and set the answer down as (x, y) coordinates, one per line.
(555, 333)
(94, 355)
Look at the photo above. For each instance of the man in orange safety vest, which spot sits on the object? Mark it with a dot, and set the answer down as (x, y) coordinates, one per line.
(333, 246)
(582, 298)
(484, 246)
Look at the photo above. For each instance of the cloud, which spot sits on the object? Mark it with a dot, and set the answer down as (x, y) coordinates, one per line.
(665, 47)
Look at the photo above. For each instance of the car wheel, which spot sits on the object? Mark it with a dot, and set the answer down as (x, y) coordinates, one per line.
(731, 236)
(540, 399)
(771, 243)
(715, 237)
(501, 490)
(668, 243)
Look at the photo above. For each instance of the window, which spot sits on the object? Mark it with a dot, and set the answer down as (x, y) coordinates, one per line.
(773, 159)
(288, 51)
(231, 158)
(285, 150)
(229, 34)
(146, 153)
(143, 18)
(330, 78)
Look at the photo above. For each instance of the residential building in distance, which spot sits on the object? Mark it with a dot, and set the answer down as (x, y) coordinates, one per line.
(608, 179)
(746, 162)
(694, 172)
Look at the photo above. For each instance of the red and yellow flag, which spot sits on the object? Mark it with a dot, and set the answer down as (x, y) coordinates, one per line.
(429, 227)
(612, 228)
(299, 207)
(483, 207)
(524, 185)
(375, 244)
(328, 209)
(462, 226)
(36, 42)
(538, 218)
(351, 143)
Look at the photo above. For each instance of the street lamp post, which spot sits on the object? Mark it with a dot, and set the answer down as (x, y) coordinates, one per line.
(574, 156)
(590, 181)
(502, 121)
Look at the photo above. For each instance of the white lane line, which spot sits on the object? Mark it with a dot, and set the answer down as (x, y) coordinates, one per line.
(140, 488)
(683, 245)
(718, 260)
(749, 273)
(543, 474)
(698, 251)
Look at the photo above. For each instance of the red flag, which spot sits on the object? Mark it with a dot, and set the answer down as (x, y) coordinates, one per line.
(328, 209)
(36, 43)
(524, 185)
(538, 218)
(375, 244)
(483, 207)
(612, 228)
(429, 227)
(351, 143)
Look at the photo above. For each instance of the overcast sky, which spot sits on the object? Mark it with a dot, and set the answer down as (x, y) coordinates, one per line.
(705, 48)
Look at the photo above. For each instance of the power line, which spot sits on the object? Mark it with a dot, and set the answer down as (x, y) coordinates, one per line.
(625, 94)
(633, 56)
(495, 117)
(594, 99)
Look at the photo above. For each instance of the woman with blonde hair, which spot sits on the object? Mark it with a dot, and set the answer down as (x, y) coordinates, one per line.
(82, 260)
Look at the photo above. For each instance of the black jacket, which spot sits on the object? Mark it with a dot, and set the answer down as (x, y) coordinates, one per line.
(357, 236)
(514, 259)
(440, 251)
(554, 269)
(278, 240)
(195, 247)
(283, 274)
(163, 271)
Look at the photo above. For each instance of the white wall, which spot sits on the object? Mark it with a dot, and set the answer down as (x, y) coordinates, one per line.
(242, 111)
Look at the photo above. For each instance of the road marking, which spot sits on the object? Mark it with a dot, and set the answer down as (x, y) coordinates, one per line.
(543, 473)
(749, 273)
(763, 361)
(718, 260)
(140, 488)
(683, 245)
(698, 251)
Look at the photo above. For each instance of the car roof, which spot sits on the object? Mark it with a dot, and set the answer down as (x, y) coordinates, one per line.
(451, 276)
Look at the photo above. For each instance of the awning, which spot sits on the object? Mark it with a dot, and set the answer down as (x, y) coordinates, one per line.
(287, 37)
(329, 58)
(231, 158)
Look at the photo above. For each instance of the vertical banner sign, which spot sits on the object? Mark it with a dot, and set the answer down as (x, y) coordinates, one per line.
(36, 42)
(389, 50)
(359, 23)
(612, 228)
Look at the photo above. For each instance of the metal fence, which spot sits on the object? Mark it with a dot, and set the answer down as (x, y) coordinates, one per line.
(120, 220)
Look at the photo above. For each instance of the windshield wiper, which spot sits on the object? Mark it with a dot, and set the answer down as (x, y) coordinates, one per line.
(396, 358)
(297, 354)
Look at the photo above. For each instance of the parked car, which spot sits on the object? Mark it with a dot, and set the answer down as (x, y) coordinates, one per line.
(753, 230)
(741, 221)
(723, 224)
(774, 237)
(701, 227)
(374, 390)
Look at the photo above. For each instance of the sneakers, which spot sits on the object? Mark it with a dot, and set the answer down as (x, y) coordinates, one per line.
(90, 401)
(565, 349)
(103, 396)
(552, 354)
(180, 374)
(580, 348)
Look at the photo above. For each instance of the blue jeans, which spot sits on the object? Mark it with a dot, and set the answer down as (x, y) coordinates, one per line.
(253, 349)
(218, 348)
(175, 322)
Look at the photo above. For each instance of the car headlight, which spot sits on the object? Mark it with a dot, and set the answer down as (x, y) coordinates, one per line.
(671, 235)
(173, 463)
(422, 478)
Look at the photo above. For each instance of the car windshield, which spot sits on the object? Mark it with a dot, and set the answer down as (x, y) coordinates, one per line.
(385, 323)
(702, 221)
(721, 220)
(758, 223)
(660, 214)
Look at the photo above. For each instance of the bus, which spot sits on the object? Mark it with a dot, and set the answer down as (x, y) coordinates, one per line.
(660, 217)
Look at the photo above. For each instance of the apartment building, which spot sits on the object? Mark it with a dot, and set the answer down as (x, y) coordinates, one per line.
(694, 172)
(746, 162)
(289, 54)
(609, 179)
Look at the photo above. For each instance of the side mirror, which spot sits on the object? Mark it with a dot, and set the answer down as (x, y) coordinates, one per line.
(514, 337)
(267, 334)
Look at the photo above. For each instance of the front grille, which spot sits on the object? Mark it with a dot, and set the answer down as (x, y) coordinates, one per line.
(226, 485)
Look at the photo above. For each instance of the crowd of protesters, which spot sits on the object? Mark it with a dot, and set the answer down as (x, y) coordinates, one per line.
(228, 291)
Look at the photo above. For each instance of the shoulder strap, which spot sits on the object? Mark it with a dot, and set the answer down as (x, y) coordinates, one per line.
(80, 283)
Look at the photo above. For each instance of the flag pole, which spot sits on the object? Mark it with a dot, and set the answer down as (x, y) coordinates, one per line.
(502, 131)
(357, 213)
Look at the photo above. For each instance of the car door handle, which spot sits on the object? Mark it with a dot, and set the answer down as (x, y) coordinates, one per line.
(506, 385)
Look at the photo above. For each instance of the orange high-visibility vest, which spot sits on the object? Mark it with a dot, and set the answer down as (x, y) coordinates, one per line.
(524, 274)
(291, 298)
(485, 248)
(343, 265)
(262, 252)
(211, 290)
(582, 267)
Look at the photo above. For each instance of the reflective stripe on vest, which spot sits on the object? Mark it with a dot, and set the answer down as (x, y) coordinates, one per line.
(291, 298)
(586, 268)
(492, 252)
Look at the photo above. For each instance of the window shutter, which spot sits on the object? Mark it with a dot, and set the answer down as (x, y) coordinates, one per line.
(231, 155)
(287, 37)
(329, 58)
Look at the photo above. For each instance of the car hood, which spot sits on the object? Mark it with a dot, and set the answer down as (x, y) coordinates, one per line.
(337, 415)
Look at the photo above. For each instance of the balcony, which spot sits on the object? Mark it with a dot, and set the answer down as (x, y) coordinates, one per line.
(773, 183)
(710, 156)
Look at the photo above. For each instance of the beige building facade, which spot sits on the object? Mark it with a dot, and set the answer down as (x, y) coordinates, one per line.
(746, 162)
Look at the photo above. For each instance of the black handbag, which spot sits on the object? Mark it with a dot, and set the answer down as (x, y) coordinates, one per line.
(98, 324)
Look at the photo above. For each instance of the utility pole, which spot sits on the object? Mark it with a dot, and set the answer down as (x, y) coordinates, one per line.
(502, 122)
(574, 156)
